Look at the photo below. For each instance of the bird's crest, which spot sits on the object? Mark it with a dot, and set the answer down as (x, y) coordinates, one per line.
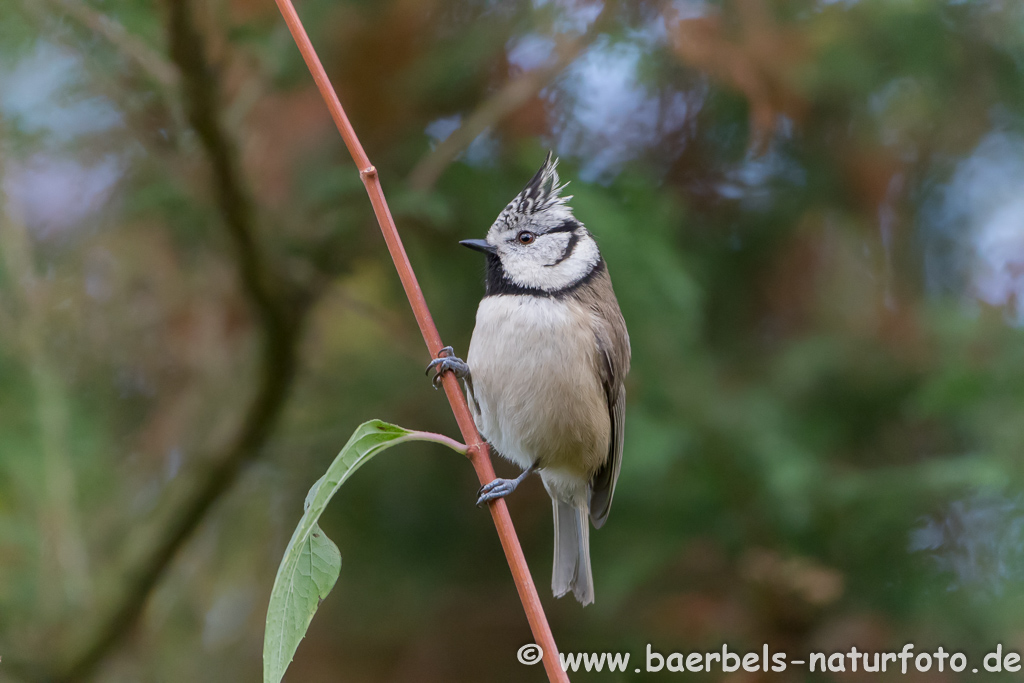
(541, 194)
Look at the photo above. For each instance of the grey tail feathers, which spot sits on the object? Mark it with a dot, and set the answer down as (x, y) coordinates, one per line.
(572, 552)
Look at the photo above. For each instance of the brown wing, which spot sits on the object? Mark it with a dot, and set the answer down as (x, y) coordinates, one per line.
(602, 486)
(613, 365)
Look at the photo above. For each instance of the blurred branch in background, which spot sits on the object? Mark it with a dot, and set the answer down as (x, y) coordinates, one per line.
(280, 320)
(148, 60)
(753, 55)
(63, 564)
(506, 101)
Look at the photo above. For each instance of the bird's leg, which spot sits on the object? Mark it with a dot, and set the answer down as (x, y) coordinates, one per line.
(499, 488)
(445, 361)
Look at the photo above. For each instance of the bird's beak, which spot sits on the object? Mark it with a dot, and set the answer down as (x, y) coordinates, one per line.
(479, 245)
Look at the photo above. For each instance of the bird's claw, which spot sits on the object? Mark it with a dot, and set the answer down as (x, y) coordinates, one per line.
(444, 362)
(499, 488)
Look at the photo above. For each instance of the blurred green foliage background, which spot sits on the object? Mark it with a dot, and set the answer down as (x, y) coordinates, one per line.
(813, 213)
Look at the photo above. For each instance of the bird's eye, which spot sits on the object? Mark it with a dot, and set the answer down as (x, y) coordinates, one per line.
(526, 237)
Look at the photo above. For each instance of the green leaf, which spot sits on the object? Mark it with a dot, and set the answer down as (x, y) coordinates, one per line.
(311, 561)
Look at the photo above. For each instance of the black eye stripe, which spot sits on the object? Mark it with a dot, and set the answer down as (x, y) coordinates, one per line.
(569, 225)
(570, 246)
(566, 226)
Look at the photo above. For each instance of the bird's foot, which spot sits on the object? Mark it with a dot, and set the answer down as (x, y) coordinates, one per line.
(499, 488)
(446, 361)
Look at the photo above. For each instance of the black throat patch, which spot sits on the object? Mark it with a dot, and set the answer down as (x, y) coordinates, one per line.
(498, 283)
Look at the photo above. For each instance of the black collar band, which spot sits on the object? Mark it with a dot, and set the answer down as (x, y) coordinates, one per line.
(498, 282)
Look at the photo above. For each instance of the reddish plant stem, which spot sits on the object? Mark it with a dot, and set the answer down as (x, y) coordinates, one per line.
(477, 450)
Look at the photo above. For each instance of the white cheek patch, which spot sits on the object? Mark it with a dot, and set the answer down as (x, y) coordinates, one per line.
(541, 266)
(549, 249)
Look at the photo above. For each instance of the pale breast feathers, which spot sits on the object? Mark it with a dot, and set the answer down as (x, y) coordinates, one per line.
(540, 399)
